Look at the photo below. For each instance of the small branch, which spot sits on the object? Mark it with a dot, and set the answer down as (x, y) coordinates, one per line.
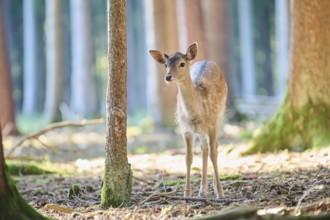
(304, 195)
(142, 180)
(52, 127)
(51, 148)
(161, 194)
(203, 199)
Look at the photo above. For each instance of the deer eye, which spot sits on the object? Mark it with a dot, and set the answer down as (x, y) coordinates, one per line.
(182, 64)
(165, 65)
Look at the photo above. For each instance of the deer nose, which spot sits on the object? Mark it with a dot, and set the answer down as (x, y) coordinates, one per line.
(168, 77)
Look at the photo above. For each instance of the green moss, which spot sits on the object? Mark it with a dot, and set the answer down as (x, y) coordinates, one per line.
(231, 177)
(30, 168)
(13, 206)
(237, 182)
(117, 186)
(246, 134)
(196, 168)
(294, 128)
(74, 191)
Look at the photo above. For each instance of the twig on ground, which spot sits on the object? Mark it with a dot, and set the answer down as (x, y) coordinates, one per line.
(51, 148)
(52, 127)
(161, 194)
(142, 180)
(304, 195)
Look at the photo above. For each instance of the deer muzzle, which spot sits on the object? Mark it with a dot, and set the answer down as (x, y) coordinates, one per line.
(168, 77)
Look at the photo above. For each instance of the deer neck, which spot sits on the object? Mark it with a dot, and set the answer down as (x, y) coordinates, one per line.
(188, 98)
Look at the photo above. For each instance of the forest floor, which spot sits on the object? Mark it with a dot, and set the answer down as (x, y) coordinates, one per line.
(283, 182)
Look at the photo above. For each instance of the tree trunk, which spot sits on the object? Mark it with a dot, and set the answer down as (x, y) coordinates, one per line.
(190, 26)
(14, 31)
(136, 64)
(41, 55)
(265, 43)
(247, 49)
(117, 181)
(303, 120)
(215, 16)
(282, 45)
(83, 88)
(30, 89)
(7, 109)
(66, 59)
(161, 35)
(12, 205)
(54, 81)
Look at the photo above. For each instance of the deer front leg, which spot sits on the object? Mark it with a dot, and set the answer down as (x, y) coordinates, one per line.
(204, 186)
(189, 159)
(218, 190)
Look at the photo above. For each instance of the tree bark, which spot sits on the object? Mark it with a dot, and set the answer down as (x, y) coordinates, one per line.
(83, 88)
(54, 81)
(117, 182)
(303, 120)
(7, 108)
(12, 205)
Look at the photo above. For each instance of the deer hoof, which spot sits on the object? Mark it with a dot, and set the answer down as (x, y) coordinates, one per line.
(220, 195)
(202, 193)
(188, 193)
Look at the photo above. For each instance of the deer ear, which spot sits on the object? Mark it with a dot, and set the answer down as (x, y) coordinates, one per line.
(160, 57)
(192, 51)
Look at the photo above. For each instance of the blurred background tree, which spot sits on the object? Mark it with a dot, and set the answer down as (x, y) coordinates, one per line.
(303, 120)
(248, 39)
(54, 61)
(7, 110)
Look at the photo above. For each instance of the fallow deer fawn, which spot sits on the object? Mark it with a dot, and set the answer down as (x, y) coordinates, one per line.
(201, 103)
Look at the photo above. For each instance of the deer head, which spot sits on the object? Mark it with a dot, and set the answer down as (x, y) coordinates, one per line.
(177, 65)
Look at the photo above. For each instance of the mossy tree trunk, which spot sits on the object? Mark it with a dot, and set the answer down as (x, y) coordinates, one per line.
(117, 181)
(12, 205)
(303, 120)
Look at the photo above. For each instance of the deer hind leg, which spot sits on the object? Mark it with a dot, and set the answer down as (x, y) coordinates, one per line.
(218, 190)
(204, 186)
(189, 159)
